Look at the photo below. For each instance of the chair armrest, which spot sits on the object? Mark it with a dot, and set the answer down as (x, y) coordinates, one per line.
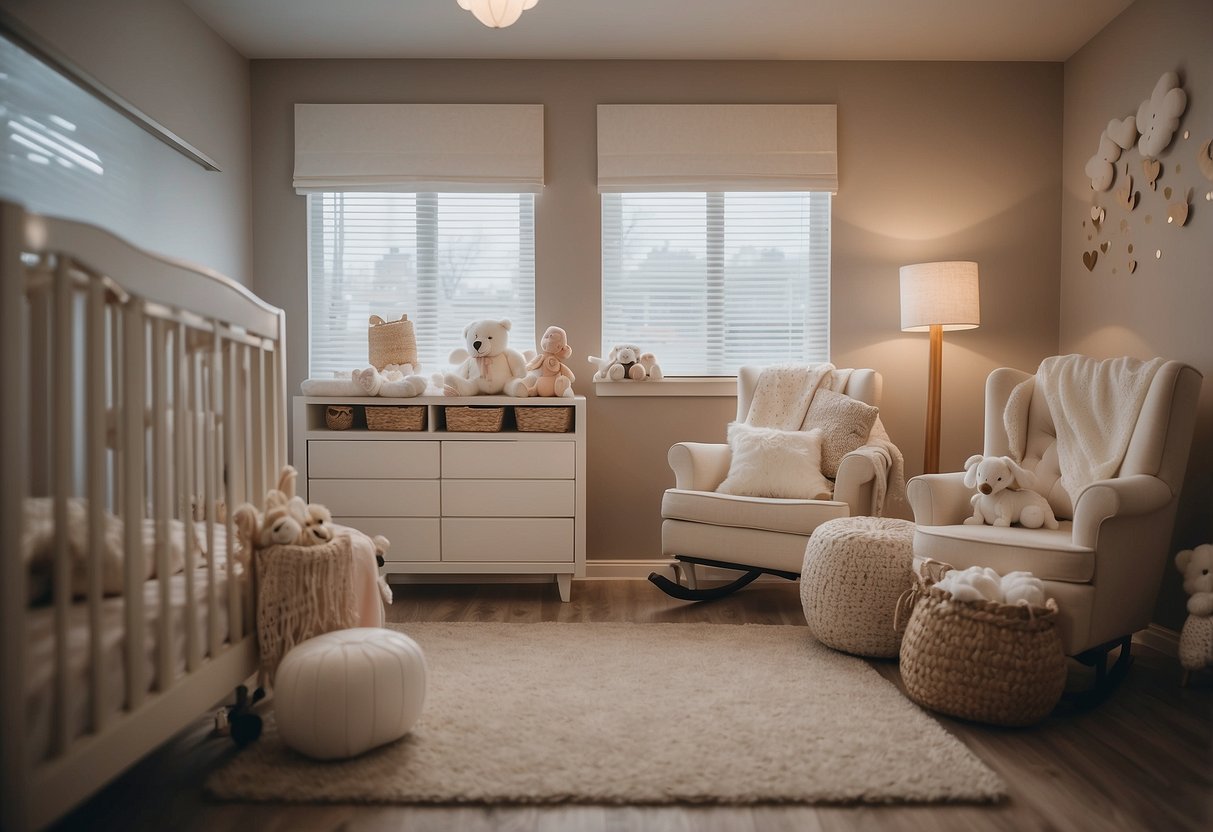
(852, 483)
(939, 499)
(699, 466)
(1121, 497)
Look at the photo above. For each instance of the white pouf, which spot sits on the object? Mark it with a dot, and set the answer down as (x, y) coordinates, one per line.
(348, 691)
(855, 570)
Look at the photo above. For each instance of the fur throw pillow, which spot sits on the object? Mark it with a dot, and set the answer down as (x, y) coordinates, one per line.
(768, 462)
(844, 424)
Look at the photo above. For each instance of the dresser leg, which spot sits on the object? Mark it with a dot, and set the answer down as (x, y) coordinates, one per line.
(564, 581)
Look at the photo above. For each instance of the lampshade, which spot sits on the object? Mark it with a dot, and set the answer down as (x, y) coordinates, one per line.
(497, 14)
(940, 293)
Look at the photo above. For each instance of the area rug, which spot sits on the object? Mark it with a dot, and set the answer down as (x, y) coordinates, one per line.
(635, 714)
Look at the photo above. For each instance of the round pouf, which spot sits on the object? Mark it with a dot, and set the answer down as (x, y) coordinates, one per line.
(855, 570)
(348, 691)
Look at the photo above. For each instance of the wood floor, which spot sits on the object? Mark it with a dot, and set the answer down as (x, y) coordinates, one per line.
(1142, 760)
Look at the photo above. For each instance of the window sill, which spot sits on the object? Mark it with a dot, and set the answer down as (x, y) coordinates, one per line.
(678, 386)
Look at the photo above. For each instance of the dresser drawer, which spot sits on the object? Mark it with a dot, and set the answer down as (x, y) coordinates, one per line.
(413, 539)
(332, 459)
(509, 460)
(376, 498)
(505, 539)
(508, 498)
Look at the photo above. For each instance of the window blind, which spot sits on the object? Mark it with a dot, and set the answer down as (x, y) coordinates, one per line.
(446, 259)
(712, 281)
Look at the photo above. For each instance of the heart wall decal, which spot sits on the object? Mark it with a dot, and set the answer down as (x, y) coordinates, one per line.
(1123, 131)
(1204, 159)
(1177, 214)
(1152, 168)
(1126, 197)
(1089, 258)
(1104, 246)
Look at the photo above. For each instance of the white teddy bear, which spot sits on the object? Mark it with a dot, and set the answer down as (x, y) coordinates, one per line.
(489, 365)
(626, 361)
(1196, 639)
(1004, 494)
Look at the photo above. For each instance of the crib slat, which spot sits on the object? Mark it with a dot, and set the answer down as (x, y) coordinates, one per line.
(39, 449)
(134, 353)
(161, 501)
(114, 379)
(280, 406)
(255, 450)
(183, 422)
(231, 417)
(95, 382)
(60, 368)
(210, 451)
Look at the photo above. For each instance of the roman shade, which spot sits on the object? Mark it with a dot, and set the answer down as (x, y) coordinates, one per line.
(418, 148)
(717, 147)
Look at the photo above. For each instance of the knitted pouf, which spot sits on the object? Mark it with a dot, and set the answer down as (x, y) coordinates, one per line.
(855, 570)
(348, 691)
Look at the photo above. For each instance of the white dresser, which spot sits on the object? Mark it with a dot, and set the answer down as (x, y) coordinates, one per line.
(452, 503)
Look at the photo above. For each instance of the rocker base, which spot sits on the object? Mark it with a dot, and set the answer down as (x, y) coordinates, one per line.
(683, 593)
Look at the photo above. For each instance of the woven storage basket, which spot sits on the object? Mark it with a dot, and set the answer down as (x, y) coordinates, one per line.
(475, 419)
(981, 660)
(544, 419)
(391, 342)
(411, 417)
(338, 417)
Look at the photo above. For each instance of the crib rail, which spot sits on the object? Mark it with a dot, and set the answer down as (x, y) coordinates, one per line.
(142, 390)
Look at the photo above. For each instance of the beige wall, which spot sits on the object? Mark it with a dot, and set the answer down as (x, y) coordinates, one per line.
(937, 161)
(1163, 308)
(162, 58)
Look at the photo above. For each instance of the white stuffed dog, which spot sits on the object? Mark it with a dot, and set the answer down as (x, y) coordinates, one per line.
(1005, 494)
(626, 361)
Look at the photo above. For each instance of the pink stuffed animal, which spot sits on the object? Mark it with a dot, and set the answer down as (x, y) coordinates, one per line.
(546, 375)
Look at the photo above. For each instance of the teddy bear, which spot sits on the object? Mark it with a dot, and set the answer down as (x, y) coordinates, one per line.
(546, 374)
(1005, 494)
(1196, 638)
(488, 365)
(395, 381)
(626, 361)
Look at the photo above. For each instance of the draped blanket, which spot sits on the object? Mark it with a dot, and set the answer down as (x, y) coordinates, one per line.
(1094, 405)
(782, 398)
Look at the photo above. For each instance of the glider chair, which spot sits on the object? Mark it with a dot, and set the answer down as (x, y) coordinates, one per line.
(1105, 562)
(755, 535)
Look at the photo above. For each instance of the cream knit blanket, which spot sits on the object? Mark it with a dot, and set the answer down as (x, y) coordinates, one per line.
(1094, 405)
(783, 394)
(302, 592)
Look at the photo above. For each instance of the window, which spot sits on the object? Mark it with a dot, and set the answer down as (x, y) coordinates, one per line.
(712, 281)
(443, 258)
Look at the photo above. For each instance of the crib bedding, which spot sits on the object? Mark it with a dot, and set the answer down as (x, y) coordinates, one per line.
(40, 656)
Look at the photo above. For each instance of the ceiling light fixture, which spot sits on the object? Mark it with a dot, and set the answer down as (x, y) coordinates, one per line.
(497, 14)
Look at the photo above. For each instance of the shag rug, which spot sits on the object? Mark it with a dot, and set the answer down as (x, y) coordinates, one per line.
(635, 714)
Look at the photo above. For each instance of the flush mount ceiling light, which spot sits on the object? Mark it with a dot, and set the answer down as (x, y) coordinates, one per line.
(497, 14)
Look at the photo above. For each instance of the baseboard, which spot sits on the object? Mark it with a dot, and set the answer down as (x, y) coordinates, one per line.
(1157, 637)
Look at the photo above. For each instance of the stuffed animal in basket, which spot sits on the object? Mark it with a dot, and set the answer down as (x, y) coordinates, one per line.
(1004, 494)
(626, 361)
(1196, 639)
(546, 373)
(488, 365)
(287, 519)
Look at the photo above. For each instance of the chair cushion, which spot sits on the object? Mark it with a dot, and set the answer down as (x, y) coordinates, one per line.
(769, 513)
(767, 462)
(844, 423)
(1048, 554)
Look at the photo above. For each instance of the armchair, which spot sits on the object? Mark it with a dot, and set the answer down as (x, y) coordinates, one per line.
(755, 535)
(1105, 562)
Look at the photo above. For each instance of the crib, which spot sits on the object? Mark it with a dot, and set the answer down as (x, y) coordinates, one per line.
(143, 397)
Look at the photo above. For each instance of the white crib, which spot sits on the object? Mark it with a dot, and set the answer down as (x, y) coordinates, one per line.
(137, 389)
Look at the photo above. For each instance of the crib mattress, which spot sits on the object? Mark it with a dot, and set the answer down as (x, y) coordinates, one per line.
(40, 655)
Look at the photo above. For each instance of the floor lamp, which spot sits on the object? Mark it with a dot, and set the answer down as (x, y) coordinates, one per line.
(936, 297)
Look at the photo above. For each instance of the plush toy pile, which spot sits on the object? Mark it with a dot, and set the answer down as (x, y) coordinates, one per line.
(626, 361)
(1196, 639)
(1004, 494)
(980, 583)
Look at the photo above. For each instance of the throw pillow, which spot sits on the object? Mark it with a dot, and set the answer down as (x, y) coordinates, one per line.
(768, 462)
(844, 424)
